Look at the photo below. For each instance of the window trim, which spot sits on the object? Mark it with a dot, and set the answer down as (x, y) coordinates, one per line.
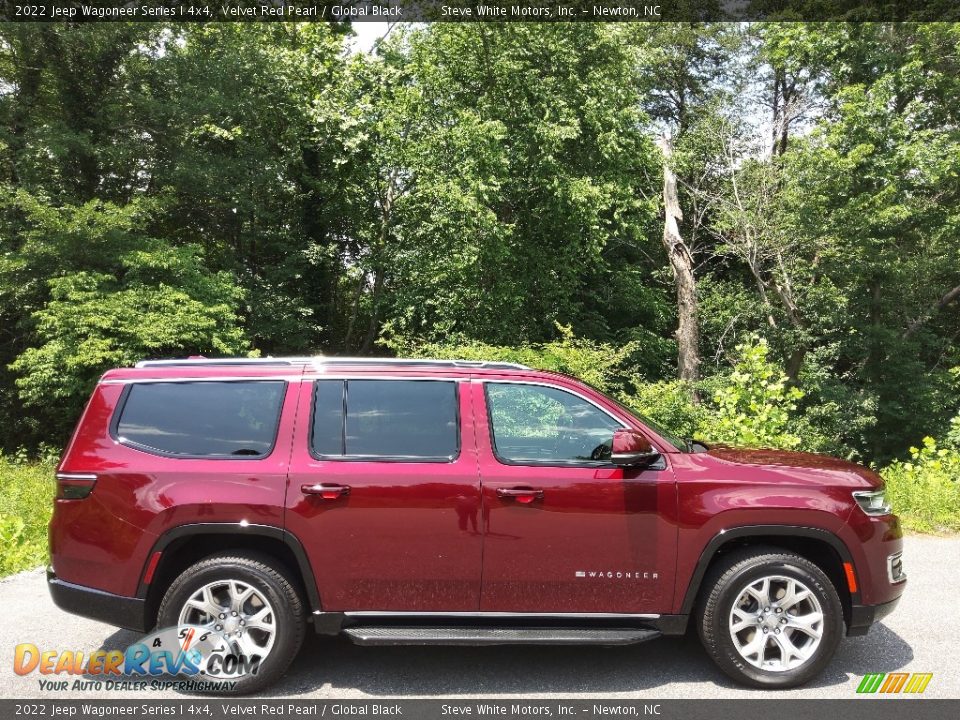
(449, 459)
(545, 463)
(158, 452)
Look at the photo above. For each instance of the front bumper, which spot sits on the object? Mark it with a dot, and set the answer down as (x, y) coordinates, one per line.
(862, 617)
(116, 610)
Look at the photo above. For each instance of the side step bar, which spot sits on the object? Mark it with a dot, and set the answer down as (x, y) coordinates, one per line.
(393, 635)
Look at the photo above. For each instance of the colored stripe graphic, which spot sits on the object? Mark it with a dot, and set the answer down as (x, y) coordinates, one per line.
(918, 683)
(894, 683)
(870, 683)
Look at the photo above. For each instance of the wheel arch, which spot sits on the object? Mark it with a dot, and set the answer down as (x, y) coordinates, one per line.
(179, 548)
(820, 546)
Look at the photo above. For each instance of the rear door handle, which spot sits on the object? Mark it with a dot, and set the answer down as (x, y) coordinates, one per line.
(327, 492)
(521, 495)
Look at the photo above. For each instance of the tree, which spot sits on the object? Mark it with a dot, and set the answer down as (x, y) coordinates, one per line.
(687, 62)
(681, 264)
(523, 163)
(872, 192)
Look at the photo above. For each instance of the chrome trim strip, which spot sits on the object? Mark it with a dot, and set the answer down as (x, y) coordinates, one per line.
(225, 362)
(76, 476)
(418, 614)
(205, 378)
(308, 378)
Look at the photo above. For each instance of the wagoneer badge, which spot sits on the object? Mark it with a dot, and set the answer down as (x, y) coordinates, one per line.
(617, 574)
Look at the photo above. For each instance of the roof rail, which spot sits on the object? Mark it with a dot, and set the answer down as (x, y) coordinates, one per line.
(213, 362)
(324, 360)
(431, 362)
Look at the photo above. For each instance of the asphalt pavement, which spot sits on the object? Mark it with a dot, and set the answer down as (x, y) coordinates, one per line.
(923, 635)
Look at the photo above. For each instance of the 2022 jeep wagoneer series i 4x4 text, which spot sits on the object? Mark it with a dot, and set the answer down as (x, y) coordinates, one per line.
(421, 501)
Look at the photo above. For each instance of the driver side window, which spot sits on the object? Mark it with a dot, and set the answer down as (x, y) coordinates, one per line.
(540, 425)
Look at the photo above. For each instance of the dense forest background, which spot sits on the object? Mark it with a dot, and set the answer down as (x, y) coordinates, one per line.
(738, 220)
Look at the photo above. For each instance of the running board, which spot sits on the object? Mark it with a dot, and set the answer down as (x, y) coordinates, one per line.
(393, 635)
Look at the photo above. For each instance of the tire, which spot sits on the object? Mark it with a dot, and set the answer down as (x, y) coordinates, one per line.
(273, 609)
(756, 647)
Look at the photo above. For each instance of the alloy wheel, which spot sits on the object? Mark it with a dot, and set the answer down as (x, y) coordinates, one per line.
(236, 610)
(776, 623)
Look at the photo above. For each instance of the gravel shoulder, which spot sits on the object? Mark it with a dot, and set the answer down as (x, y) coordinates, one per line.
(923, 635)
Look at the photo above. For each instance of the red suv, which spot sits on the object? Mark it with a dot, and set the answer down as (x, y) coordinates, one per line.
(453, 502)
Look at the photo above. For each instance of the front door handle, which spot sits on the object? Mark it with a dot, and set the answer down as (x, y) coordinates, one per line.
(520, 494)
(327, 492)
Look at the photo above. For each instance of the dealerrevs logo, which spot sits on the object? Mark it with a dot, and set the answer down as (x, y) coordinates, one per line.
(200, 654)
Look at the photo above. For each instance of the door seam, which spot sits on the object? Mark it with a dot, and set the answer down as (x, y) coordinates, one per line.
(476, 457)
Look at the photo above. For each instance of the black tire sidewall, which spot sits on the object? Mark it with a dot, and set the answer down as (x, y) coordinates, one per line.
(287, 609)
(725, 652)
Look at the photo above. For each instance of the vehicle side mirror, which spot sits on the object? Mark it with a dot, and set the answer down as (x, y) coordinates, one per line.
(632, 449)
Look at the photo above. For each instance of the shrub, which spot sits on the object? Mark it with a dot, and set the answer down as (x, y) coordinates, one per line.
(751, 405)
(755, 406)
(26, 492)
(925, 491)
(670, 404)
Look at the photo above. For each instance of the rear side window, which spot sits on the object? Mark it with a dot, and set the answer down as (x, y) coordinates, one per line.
(414, 420)
(202, 419)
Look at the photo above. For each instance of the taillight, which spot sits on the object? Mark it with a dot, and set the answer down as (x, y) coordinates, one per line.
(74, 486)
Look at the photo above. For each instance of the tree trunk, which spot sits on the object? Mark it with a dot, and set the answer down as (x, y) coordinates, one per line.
(373, 326)
(681, 263)
(379, 273)
(355, 309)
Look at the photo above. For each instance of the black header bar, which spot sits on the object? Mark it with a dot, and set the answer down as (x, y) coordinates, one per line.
(178, 11)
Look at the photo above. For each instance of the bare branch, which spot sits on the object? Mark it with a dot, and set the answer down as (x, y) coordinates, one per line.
(949, 297)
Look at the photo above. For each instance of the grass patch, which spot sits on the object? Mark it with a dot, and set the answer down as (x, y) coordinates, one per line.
(26, 495)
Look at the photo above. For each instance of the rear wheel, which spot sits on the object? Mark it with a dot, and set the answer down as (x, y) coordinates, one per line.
(771, 619)
(249, 601)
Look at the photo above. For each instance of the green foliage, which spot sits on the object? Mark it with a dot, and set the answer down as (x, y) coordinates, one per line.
(221, 188)
(872, 194)
(166, 305)
(925, 490)
(750, 405)
(754, 406)
(542, 221)
(670, 404)
(26, 501)
(105, 293)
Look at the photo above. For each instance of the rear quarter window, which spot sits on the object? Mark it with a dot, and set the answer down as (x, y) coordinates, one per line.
(210, 419)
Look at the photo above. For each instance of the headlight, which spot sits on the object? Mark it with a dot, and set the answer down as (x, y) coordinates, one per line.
(872, 502)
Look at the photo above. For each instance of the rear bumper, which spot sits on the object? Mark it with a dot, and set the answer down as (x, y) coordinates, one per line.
(862, 617)
(116, 610)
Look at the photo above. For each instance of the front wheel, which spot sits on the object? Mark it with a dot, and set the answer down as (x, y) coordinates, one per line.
(771, 619)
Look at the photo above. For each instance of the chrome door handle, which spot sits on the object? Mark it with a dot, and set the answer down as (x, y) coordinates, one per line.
(327, 492)
(521, 495)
